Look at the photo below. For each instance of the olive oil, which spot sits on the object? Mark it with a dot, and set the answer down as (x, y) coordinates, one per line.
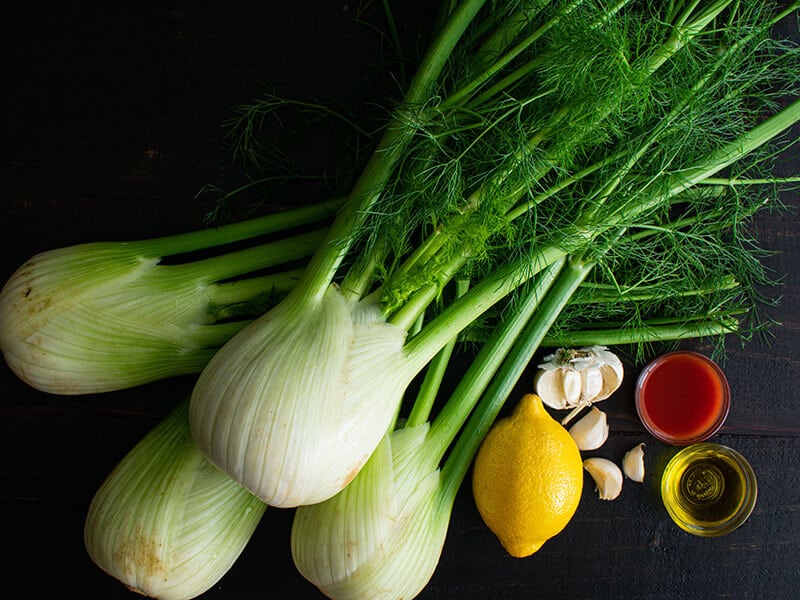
(708, 489)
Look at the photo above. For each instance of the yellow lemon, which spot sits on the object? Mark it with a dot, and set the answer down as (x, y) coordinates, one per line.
(527, 478)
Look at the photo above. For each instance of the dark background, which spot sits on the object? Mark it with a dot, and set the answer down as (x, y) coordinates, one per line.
(111, 123)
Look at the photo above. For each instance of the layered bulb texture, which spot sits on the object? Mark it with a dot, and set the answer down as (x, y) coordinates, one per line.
(294, 404)
(99, 317)
(382, 536)
(166, 522)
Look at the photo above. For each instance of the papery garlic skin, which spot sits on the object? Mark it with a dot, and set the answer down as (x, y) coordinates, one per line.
(633, 463)
(607, 477)
(591, 431)
(166, 523)
(293, 406)
(572, 378)
(382, 536)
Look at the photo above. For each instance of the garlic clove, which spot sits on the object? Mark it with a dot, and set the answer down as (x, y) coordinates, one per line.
(590, 431)
(591, 383)
(571, 386)
(633, 463)
(611, 382)
(549, 386)
(612, 370)
(607, 477)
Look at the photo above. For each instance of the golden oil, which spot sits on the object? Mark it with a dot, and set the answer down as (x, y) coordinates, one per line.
(708, 489)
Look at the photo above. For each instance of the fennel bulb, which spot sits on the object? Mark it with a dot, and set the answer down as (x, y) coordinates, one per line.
(167, 523)
(293, 406)
(105, 316)
(382, 536)
(97, 317)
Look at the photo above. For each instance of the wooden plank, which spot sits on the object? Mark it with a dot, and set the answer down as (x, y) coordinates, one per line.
(112, 123)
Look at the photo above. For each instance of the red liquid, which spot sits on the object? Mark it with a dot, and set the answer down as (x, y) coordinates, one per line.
(682, 397)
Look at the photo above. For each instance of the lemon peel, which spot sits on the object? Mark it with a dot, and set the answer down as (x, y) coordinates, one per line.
(527, 478)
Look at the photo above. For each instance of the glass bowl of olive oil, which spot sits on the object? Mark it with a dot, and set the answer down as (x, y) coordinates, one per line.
(708, 489)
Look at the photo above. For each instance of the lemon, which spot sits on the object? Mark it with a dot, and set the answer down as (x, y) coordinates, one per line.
(527, 478)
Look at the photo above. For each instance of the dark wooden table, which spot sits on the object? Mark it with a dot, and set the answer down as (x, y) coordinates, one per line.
(111, 123)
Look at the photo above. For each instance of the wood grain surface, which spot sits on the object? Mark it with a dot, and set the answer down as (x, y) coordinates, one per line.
(111, 122)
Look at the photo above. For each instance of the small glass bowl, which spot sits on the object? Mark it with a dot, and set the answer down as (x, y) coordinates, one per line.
(683, 399)
(708, 489)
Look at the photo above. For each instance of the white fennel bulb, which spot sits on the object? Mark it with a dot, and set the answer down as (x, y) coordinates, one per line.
(91, 318)
(382, 536)
(166, 523)
(105, 316)
(294, 404)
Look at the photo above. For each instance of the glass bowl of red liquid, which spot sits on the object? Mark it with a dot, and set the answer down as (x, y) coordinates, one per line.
(682, 397)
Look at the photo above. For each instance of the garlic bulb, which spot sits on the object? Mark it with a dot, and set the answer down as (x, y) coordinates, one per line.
(591, 431)
(607, 477)
(633, 463)
(382, 536)
(575, 378)
(291, 407)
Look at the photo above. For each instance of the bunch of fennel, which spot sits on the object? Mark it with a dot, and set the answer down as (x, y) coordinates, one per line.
(566, 135)
(535, 142)
(381, 537)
